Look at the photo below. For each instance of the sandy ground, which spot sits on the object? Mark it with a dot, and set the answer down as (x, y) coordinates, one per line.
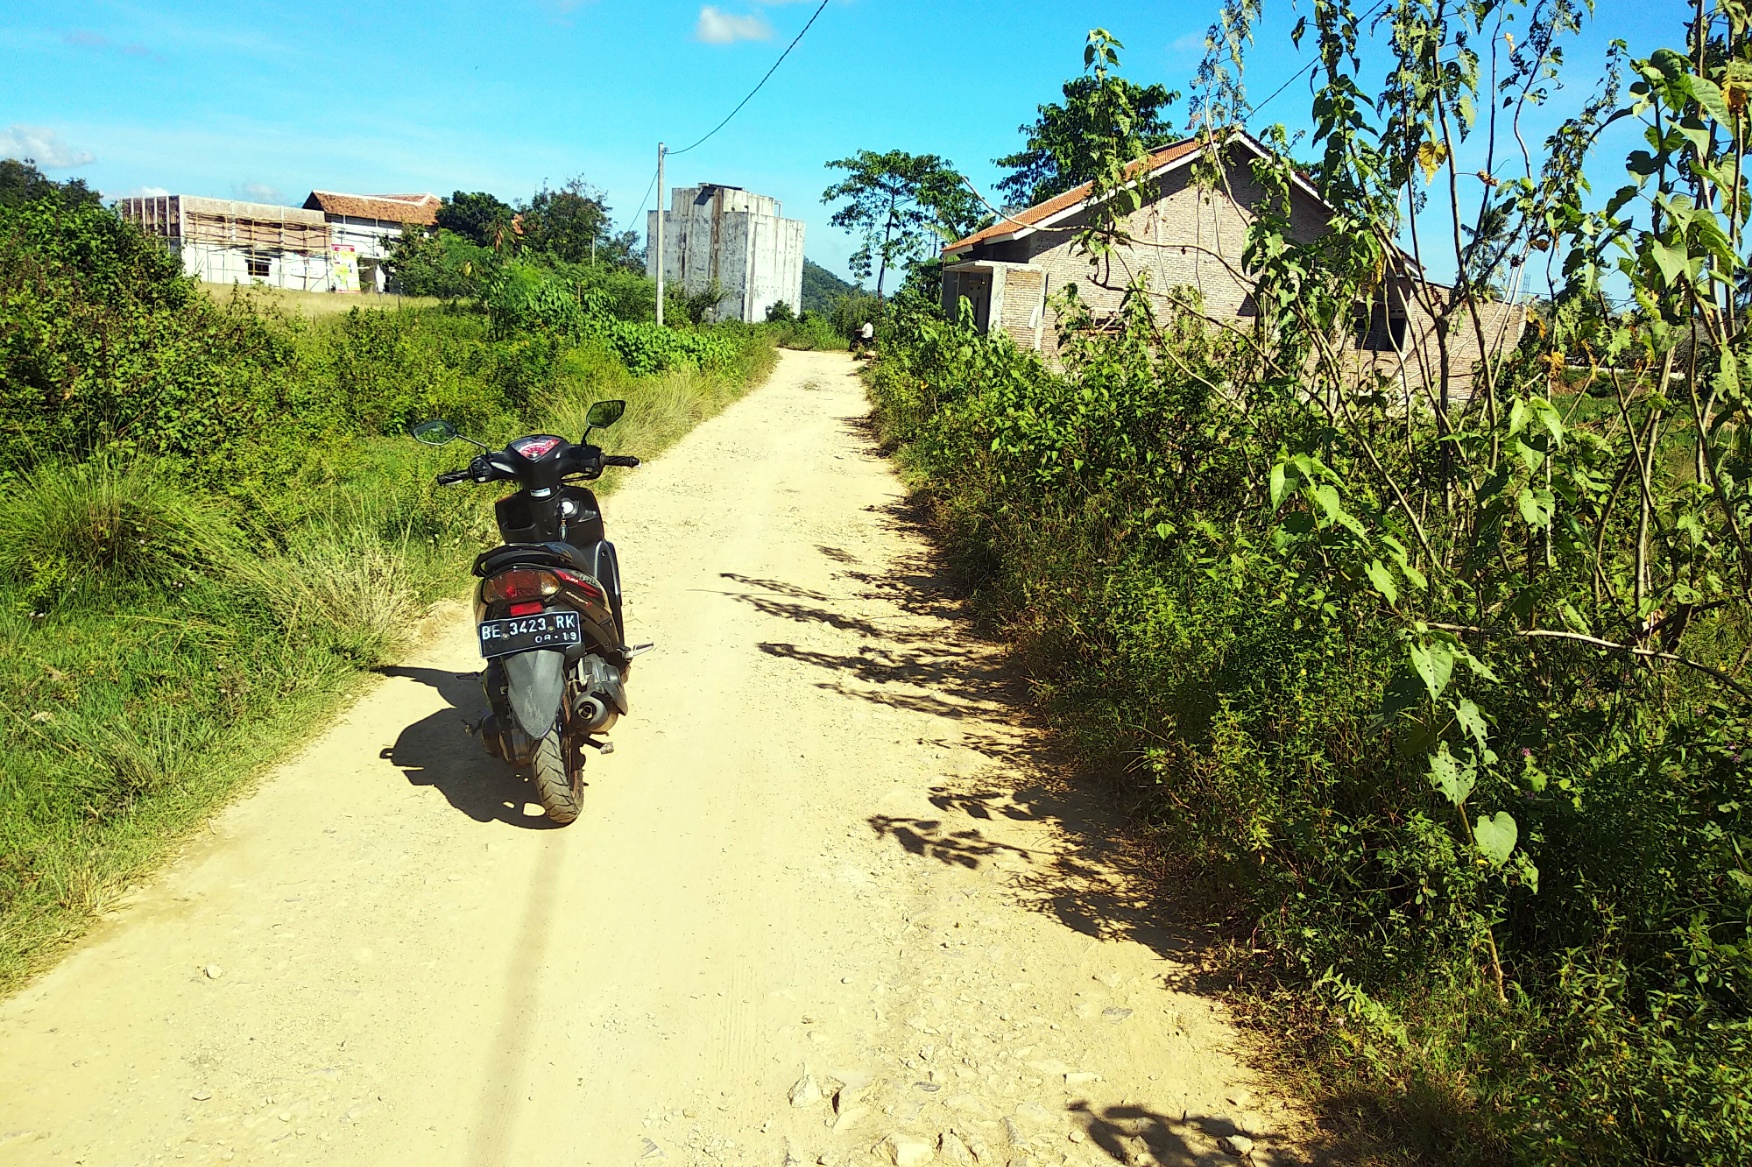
(825, 903)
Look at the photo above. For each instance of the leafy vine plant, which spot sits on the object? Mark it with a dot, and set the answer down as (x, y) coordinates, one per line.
(1565, 520)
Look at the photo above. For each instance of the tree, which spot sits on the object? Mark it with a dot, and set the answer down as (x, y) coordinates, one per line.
(900, 204)
(440, 262)
(1097, 108)
(570, 223)
(479, 217)
(22, 182)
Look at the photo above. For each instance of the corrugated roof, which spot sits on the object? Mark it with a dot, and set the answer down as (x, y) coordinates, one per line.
(419, 209)
(1071, 198)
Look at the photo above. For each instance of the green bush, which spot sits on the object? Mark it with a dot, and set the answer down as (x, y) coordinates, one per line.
(440, 263)
(527, 298)
(106, 345)
(808, 332)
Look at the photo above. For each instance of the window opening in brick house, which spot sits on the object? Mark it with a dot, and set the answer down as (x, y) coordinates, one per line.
(1376, 327)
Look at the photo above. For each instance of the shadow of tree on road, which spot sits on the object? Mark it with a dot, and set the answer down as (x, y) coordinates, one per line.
(1127, 1133)
(927, 837)
(919, 651)
(440, 752)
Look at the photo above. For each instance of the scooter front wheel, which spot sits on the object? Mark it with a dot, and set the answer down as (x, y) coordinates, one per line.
(559, 776)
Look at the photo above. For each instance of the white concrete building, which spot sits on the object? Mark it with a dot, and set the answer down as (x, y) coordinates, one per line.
(738, 238)
(223, 241)
(370, 225)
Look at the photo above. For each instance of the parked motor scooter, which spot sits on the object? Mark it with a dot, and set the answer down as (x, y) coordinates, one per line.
(548, 610)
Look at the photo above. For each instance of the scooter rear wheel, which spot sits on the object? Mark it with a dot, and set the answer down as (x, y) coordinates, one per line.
(559, 777)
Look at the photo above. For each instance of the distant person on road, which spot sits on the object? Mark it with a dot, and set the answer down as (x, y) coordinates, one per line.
(867, 337)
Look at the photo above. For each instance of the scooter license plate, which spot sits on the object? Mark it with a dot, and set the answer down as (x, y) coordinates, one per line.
(555, 629)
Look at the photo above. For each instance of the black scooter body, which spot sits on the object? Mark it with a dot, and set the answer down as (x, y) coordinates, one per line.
(556, 527)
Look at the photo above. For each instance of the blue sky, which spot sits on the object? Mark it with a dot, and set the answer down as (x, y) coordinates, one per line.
(251, 100)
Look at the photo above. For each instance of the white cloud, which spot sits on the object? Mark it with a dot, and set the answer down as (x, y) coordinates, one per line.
(257, 192)
(147, 192)
(717, 27)
(42, 146)
(84, 38)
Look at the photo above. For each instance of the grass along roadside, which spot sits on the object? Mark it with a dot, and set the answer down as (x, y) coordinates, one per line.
(313, 304)
(179, 660)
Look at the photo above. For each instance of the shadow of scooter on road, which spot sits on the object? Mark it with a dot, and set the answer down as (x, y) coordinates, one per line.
(439, 751)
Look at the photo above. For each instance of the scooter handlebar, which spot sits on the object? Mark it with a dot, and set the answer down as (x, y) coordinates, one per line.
(626, 460)
(452, 477)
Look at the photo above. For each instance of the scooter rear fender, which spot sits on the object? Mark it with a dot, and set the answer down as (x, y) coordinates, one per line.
(535, 684)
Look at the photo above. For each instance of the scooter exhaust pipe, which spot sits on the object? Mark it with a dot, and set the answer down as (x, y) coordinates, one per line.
(594, 715)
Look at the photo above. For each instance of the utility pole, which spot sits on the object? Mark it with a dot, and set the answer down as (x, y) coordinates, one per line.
(660, 153)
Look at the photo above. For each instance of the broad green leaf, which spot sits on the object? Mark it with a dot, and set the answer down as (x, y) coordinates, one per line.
(1496, 836)
(1549, 417)
(1435, 664)
(1451, 777)
(1478, 667)
(1278, 486)
(1709, 96)
(1670, 258)
(1327, 498)
(1383, 581)
(1535, 506)
(1531, 458)
(1471, 720)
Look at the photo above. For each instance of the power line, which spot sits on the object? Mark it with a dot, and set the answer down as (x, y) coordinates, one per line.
(757, 87)
(1369, 15)
(1305, 68)
(648, 188)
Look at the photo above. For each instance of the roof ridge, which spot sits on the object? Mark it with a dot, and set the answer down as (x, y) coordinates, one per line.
(1046, 208)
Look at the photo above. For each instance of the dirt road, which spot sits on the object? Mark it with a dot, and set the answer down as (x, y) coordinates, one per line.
(823, 906)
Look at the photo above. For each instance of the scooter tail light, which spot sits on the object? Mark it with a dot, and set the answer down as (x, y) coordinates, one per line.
(583, 583)
(520, 583)
(527, 608)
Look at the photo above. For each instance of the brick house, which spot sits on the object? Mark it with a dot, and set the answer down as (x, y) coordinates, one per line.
(1191, 237)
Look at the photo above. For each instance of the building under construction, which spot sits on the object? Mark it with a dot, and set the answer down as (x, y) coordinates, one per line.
(733, 237)
(223, 241)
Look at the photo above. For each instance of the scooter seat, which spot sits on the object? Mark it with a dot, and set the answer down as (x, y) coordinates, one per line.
(532, 555)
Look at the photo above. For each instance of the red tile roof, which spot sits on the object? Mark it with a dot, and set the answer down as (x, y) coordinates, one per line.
(419, 209)
(1071, 198)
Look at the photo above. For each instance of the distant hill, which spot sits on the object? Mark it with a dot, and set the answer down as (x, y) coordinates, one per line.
(821, 287)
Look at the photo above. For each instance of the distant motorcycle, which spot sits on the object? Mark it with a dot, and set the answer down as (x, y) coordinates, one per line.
(548, 608)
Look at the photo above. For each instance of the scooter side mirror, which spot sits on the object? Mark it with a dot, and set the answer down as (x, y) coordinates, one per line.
(604, 414)
(436, 432)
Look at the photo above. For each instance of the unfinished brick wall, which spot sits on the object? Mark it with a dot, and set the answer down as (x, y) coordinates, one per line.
(1420, 359)
(1024, 312)
(1188, 237)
